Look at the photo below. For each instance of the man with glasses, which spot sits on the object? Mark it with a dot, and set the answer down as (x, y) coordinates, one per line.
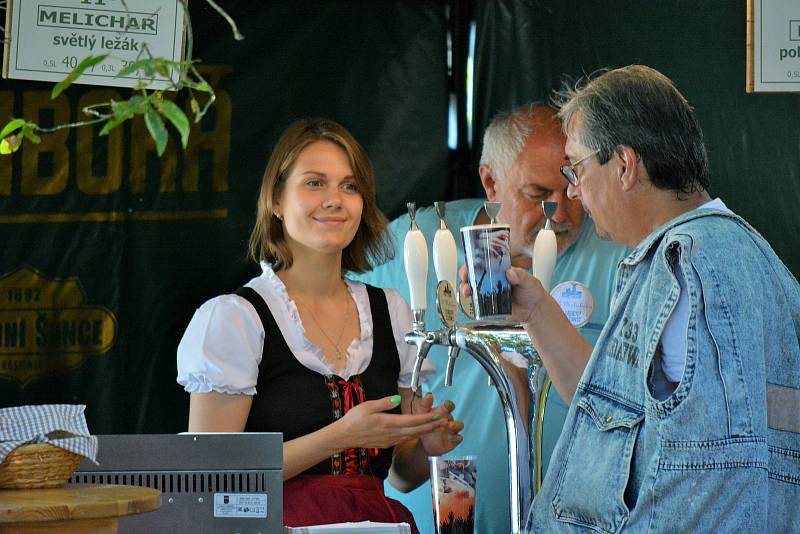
(522, 152)
(684, 415)
(569, 170)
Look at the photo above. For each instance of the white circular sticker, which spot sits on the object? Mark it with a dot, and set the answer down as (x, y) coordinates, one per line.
(576, 300)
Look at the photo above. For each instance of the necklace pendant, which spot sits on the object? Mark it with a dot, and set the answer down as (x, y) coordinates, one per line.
(339, 355)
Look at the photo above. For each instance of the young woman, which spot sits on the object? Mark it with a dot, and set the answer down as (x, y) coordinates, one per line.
(304, 351)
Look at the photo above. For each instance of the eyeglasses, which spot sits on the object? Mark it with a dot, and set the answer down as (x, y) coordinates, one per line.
(569, 170)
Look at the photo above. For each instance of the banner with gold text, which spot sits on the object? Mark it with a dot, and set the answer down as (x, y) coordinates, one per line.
(108, 249)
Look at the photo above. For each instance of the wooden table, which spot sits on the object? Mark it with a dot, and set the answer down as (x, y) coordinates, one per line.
(72, 509)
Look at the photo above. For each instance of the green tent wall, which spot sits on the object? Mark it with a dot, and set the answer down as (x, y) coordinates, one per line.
(107, 250)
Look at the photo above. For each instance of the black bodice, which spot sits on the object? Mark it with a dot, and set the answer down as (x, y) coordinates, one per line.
(295, 400)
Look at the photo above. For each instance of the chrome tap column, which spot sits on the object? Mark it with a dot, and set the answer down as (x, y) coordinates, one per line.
(485, 341)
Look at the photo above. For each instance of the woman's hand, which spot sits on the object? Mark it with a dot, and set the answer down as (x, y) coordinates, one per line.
(368, 426)
(410, 463)
(445, 438)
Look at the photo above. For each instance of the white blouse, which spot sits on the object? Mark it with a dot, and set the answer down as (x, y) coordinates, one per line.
(223, 344)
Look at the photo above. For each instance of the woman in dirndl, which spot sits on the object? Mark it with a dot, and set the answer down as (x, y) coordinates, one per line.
(302, 350)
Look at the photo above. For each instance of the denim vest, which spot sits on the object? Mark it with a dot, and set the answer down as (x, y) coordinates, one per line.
(722, 453)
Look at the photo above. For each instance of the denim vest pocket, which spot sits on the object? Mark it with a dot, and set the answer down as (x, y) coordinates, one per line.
(591, 482)
(784, 489)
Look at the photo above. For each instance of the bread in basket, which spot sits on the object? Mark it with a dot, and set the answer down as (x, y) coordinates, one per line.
(38, 465)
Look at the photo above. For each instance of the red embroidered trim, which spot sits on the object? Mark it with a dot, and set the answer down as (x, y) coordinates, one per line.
(345, 394)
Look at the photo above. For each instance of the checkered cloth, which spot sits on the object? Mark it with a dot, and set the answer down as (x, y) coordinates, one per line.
(61, 425)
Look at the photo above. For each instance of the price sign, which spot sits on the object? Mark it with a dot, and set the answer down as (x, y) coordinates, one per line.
(774, 46)
(49, 38)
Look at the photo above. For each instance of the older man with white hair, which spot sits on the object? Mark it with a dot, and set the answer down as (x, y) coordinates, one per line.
(520, 162)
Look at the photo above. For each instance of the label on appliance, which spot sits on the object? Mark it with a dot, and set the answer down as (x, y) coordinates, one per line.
(240, 505)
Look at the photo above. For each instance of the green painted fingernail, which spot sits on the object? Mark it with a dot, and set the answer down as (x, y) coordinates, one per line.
(437, 416)
(396, 399)
(453, 438)
(449, 405)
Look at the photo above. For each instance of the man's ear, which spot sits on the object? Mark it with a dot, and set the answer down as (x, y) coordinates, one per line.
(488, 181)
(628, 168)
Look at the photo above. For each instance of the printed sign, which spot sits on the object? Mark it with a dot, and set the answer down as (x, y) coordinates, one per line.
(49, 38)
(47, 325)
(775, 54)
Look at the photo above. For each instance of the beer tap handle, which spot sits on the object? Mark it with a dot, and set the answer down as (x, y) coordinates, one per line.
(445, 258)
(452, 354)
(492, 210)
(545, 249)
(415, 256)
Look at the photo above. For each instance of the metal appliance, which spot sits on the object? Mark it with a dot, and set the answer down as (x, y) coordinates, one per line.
(210, 482)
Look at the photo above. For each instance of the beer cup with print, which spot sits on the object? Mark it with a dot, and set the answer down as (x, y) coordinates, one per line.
(453, 489)
(487, 255)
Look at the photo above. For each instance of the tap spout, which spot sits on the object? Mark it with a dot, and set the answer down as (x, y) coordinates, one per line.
(452, 354)
(423, 343)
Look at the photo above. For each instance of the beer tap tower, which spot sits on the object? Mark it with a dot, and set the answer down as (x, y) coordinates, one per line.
(485, 341)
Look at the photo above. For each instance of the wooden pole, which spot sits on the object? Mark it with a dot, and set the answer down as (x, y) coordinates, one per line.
(750, 46)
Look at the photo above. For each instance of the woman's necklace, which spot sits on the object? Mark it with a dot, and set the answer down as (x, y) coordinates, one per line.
(337, 351)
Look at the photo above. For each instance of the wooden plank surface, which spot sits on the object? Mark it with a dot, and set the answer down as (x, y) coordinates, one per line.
(76, 502)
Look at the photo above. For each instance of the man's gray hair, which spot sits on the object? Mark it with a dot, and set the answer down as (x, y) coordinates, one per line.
(639, 107)
(505, 137)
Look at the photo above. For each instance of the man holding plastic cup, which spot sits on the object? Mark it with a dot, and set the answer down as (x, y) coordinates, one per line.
(683, 417)
(519, 168)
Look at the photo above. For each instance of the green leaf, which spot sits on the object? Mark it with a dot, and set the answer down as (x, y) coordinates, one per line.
(150, 67)
(139, 104)
(88, 62)
(10, 144)
(12, 126)
(157, 130)
(113, 123)
(120, 107)
(28, 133)
(144, 64)
(121, 112)
(162, 68)
(176, 116)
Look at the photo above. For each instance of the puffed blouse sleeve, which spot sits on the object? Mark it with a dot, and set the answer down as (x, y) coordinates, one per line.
(400, 315)
(221, 348)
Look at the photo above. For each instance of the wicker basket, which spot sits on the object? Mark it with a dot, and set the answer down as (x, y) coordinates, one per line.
(38, 465)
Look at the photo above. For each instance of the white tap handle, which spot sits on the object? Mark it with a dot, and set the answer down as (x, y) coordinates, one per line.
(415, 256)
(544, 257)
(445, 258)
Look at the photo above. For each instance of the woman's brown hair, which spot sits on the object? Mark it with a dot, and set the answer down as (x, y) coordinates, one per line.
(371, 245)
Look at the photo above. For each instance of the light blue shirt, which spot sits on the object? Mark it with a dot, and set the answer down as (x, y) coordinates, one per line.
(590, 261)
